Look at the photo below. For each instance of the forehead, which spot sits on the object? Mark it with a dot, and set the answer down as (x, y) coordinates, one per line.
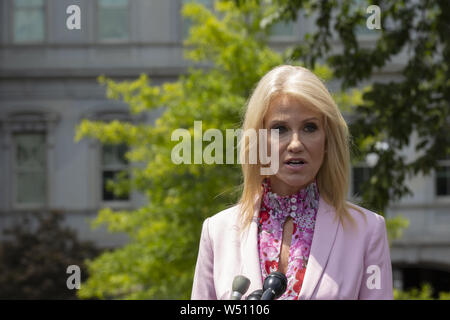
(283, 107)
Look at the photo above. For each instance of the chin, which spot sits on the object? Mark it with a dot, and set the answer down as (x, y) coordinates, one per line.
(294, 182)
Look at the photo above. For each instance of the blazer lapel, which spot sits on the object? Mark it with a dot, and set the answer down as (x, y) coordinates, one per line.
(324, 235)
(250, 265)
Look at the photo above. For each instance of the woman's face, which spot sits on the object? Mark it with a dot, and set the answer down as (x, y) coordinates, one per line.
(301, 135)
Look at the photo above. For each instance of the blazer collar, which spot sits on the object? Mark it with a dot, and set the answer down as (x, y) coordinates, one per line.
(324, 235)
(325, 231)
(250, 266)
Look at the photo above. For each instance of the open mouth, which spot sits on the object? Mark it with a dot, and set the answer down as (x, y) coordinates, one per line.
(295, 163)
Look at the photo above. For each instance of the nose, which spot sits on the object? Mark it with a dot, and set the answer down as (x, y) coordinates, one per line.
(295, 144)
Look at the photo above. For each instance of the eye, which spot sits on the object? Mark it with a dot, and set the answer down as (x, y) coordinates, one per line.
(311, 127)
(281, 128)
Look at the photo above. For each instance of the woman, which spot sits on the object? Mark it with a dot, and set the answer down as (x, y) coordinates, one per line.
(296, 221)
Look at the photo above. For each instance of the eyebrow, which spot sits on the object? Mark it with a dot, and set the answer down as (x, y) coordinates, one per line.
(303, 121)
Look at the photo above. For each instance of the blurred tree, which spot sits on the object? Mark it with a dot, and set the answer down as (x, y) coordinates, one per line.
(231, 52)
(424, 293)
(34, 259)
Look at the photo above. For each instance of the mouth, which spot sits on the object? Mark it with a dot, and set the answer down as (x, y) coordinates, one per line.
(295, 163)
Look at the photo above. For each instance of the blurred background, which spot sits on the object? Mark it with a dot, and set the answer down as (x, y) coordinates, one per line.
(86, 117)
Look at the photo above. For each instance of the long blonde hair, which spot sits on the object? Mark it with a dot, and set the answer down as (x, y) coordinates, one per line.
(333, 176)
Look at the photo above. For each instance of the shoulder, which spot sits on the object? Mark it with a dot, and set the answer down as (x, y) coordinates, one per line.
(366, 220)
(225, 216)
(358, 211)
(223, 220)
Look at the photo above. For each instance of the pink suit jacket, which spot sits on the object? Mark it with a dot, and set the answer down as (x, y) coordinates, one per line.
(342, 264)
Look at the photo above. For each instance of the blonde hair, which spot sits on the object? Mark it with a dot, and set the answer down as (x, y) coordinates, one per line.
(333, 176)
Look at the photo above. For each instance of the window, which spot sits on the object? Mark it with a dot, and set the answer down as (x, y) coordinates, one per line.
(29, 21)
(110, 170)
(29, 177)
(361, 30)
(113, 20)
(443, 177)
(360, 175)
(397, 276)
(28, 153)
(114, 166)
(282, 29)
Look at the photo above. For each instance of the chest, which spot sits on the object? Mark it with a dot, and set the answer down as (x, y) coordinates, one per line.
(286, 241)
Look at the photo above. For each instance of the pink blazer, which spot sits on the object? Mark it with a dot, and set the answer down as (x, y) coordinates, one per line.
(342, 264)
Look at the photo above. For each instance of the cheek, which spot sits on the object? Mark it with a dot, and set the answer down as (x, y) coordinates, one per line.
(318, 150)
(282, 142)
(279, 145)
(315, 145)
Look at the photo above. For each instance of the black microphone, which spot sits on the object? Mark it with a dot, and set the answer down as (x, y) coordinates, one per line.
(255, 295)
(239, 287)
(274, 286)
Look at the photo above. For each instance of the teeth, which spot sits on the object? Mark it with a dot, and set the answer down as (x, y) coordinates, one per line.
(296, 162)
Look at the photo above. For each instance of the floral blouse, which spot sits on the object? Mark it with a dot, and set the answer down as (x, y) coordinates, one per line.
(302, 207)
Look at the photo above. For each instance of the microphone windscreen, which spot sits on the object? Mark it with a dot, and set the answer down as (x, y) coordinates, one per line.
(274, 286)
(255, 295)
(240, 284)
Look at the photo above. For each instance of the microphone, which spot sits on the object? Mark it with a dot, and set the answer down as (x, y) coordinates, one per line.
(239, 287)
(274, 286)
(255, 295)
